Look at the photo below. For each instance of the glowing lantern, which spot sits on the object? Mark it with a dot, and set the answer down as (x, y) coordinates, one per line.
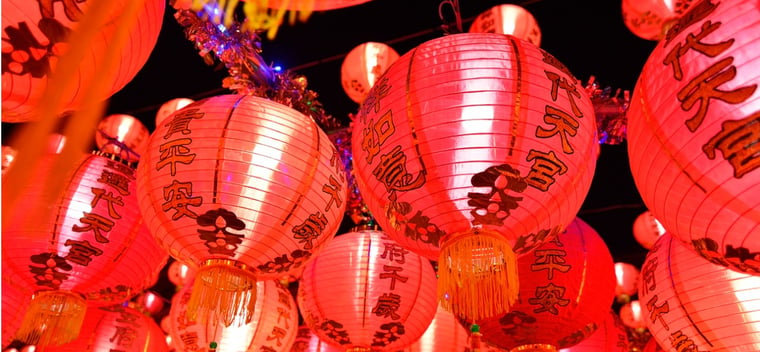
(647, 229)
(626, 279)
(36, 35)
(566, 292)
(651, 19)
(363, 66)
(116, 328)
(170, 107)
(273, 327)
(470, 154)
(307, 341)
(693, 130)
(508, 19)
(632, 316)
(689, 303)
(72, 245)
(9, 155)
(179, 274)
(239, 188)
(444, 333)
(365, 292)
(15, 302)
(122, 135)
(610, 336)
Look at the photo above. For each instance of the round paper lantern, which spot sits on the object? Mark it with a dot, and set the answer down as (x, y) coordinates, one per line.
(647, 229)
(76, 244)
(692, 127)
(36, 35)
(566, 291)
(363, 66)
(632, 316)
(15, 300)
(473, 149)
(9, 155)
(307, 341)
(610, 336)
(179, 274)
(651, 19)
(116, 328)
(508, 19)
(691, 304)
(444, 333)
(365, 292)
(122, 135)
(273, 327)
(170, 107)
(240, 188)
(626, 279)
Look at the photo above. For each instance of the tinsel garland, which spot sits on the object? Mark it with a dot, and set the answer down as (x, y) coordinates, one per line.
(610, 112)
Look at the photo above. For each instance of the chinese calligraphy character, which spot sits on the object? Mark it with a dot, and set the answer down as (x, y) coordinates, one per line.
(180, 122)
(544, 168)
(81, 252)
(739, 141)
(178, 197)
(550, 260)
(173, 152)
(95, 223)
(548, 298)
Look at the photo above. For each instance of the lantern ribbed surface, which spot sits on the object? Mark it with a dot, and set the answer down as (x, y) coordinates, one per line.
(444, 333)
(609, 336)
(307, 341)
(26, 71)
(117, 328)
(693, 132)
(364, 291)
(274, 326)
(240, 188)
(690, 303)
(566, 290)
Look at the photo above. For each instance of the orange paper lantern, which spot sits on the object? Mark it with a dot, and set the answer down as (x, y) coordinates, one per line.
(689, 303)
(87, 241)
(693, 127)
(444, 333)
(566, 291)
(116, 328)
(473, 149)
(365, 292)
(651, 19)
(240, 188)
(363, 66)
(35, 36)
(610, 336)
(307, 341)
(273, 327)
(647, 229)
(508, 19)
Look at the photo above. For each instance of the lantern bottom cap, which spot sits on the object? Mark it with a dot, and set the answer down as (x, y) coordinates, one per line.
(223, 293)
(535, 347)
(53, 318)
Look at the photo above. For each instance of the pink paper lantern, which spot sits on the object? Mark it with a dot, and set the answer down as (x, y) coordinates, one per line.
(474, 149)
(610, 336)
(36, 35)
(651, 19)
(692, 132)
(626, 281)
(445, 333)
(366, 292)
(273, 327)
(307, 341)
(508, 19)
(566, 292)
(363, 66)
(116, 328)
(89, 241)
(240, 189)
(122, 135)
(647, 229)
(689, 303)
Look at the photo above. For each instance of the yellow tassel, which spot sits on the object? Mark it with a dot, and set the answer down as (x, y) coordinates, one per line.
(535, 347)
(224, 291)
(53, 318)
(477, 275)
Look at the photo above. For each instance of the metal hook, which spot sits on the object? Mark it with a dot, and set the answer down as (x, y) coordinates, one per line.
(446, 26)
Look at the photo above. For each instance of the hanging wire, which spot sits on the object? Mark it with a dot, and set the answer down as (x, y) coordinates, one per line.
(453, 5)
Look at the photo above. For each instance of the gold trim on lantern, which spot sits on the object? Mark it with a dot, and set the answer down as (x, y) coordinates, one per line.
(224, 291)
(364, 227)
(535, 347)
(53, 318)
(359, 349)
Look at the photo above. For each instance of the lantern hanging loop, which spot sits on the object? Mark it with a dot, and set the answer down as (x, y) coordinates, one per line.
(447, 26)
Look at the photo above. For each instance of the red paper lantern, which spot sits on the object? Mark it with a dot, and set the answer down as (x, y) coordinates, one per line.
(473, 149)
(444, 333)
(116, 328)
(651, 19)
(652, 346)
(273, 327)
(693, 128)
(179, 274)
(15, 301)
(122, 135)
(170, 107)
(36, 35)
(307, 341)
(610, 336)
(363, 66)
(632, 316)
(647, 229)
(86, 242)
(566, 291)
(313, 5)
(508, 19)
(626, 280)
(365, 292)
(689, 303)
(240, 188)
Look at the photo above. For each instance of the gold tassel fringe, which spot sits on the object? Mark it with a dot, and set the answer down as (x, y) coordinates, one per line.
(224, 291)
(53, 318)
(260, 15)
(477, 275)
(535, 347)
